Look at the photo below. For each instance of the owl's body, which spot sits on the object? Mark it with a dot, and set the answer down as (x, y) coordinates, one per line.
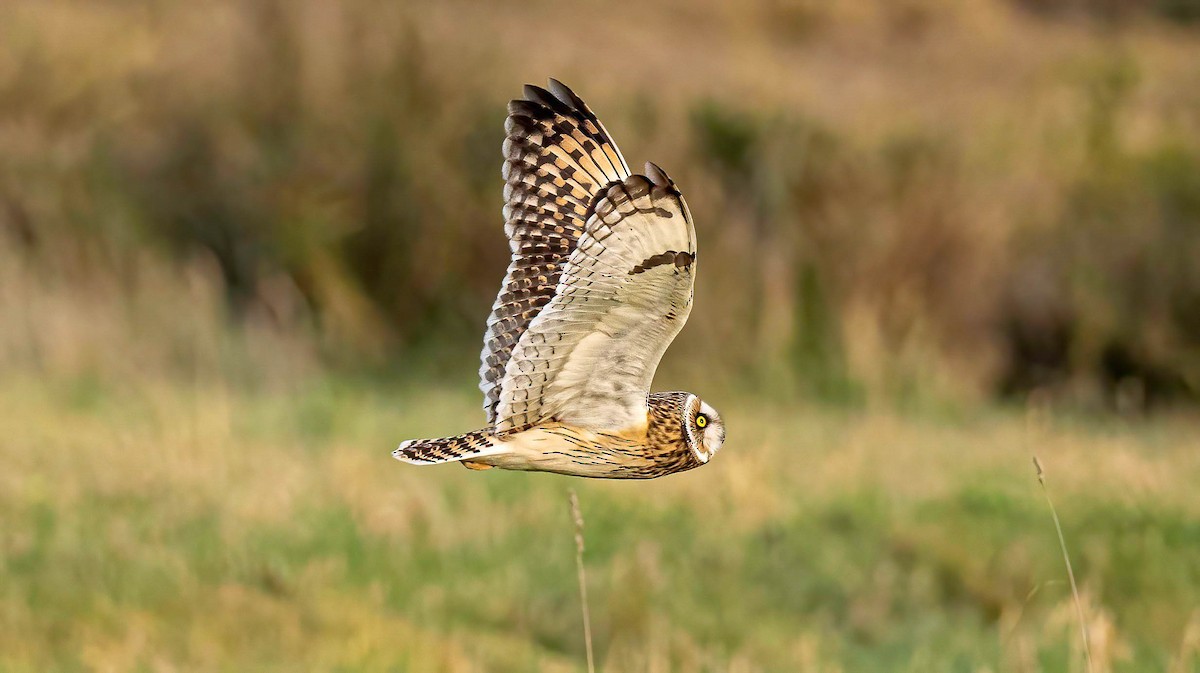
(600, 283)
(659, 447)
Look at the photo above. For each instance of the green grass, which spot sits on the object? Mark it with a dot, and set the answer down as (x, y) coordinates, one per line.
(155, 526)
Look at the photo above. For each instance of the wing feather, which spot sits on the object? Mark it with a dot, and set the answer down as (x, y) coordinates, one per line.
(589, 356)
(557, 158)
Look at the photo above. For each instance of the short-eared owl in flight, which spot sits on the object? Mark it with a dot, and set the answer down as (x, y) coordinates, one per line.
(600, 283)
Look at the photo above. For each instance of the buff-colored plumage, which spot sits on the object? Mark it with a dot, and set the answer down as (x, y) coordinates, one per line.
(600, 283)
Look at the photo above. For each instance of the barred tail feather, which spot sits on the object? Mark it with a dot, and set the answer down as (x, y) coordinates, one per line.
(447, 449)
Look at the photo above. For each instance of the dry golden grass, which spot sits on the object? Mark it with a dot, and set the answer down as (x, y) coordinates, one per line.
(188, 528)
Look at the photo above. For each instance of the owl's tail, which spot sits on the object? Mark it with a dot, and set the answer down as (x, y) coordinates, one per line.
(449, 449)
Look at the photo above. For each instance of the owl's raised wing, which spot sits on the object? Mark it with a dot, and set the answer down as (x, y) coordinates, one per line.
(588, 357)
(557, 159)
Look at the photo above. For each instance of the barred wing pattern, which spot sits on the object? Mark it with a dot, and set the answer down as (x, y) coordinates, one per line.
(558, 158)
(588, 358)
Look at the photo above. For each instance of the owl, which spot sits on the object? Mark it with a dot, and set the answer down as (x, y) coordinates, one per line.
(600, 282)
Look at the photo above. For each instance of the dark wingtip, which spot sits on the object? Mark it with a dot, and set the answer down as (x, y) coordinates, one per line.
(542, 97)
(657, 175)
(527, 108)
(563, 93)
(535, 93)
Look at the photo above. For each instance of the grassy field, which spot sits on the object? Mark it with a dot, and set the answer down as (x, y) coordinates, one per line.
(166, 526)
(247, 247)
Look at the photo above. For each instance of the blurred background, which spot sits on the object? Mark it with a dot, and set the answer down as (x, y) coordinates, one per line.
(248, 247)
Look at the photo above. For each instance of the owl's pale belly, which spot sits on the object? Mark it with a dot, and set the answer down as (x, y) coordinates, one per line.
(566, 450)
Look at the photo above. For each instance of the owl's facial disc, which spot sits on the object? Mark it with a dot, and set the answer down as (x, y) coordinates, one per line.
(704, 429)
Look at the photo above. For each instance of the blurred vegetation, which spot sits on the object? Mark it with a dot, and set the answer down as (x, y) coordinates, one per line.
(1008, 212)
(1185, 12)
(246, 247)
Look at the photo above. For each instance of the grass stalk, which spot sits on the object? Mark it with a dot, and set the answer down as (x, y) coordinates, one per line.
(1062, 543)
(577, 516)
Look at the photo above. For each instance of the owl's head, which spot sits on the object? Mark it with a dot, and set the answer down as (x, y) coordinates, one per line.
(703, 428)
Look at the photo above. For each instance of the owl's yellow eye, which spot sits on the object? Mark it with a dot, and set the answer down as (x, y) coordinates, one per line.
(701, 421)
